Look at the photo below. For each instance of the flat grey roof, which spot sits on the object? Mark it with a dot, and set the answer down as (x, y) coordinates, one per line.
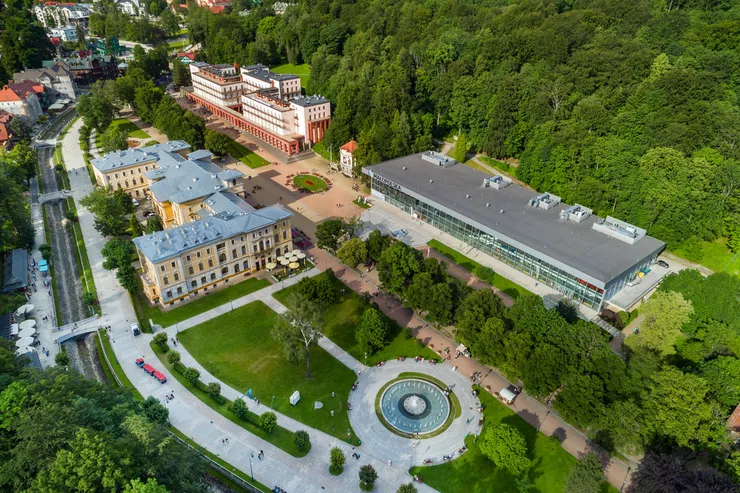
(310, 101)
(15, 270)
(590, 254)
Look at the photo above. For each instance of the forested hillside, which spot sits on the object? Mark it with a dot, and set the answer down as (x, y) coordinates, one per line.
(629, 107)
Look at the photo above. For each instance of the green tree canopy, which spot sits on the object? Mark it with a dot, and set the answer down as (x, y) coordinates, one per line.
(506, 447)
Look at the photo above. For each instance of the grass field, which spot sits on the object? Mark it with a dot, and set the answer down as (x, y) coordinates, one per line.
(123, 124)
(177, 44)
(509, 287)
(499, 165)
(341, 318)
(311, 183)
(716, 256)
(144, 311)
(474, 473)
(302, 71)
(245, 155)
(243, 355)
(280, 437)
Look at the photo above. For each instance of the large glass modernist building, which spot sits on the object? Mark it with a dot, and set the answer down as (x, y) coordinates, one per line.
(585, 257)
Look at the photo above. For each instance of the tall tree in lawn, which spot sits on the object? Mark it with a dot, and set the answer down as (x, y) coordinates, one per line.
(461, 149)
(586, 476)
(180, 74)
(154, 224)
(478, 307)
(298, 329)
(21, 130)
(372, 331)
(353, 252)
(665, 313)
(506, 447)
(114, 139)
(336, 460)
(110, 209)
(217, 143)
(368, 476)
(134, 227)
(397, 267)
(328, 234)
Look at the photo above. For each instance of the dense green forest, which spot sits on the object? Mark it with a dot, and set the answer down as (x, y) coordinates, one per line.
(629, 107)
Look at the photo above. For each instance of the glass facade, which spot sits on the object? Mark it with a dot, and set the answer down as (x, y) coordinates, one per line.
(569, 285)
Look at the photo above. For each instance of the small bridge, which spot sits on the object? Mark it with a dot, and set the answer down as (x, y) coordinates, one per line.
(52, 196)
(78, 329)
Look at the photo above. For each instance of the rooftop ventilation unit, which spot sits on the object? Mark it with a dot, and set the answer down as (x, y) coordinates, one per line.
(497, 181)
(544, 201)
(620, 230)
(438, 159)
(576, 213)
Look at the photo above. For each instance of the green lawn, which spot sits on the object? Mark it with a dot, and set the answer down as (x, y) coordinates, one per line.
(280, 437)
(474, 473)
(340, 321)
(302, 71)
(124, 124)
(311, 183)
(245, 155)
(243, 355)
(716, 256)
(115, 366)
(145, 311)
(507, 286)
(499, 165)
(178, 44)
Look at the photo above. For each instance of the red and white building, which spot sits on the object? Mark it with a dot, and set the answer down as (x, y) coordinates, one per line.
(265, 104)
(20, 100)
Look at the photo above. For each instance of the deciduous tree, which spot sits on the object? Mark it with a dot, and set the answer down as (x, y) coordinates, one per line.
(298, 329)
(505, 446)
(586, 476)
(353, 252)
(371, 332)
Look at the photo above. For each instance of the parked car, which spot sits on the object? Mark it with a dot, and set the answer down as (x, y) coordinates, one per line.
(663, 264)
(135, 202)
(135, 329)
(148, 214)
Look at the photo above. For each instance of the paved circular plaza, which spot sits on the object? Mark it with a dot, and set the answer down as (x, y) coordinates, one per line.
(411, 398)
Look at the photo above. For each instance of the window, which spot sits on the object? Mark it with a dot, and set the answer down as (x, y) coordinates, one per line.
(187, 257)
(169, 294)
(210, 262)
(254, 247)
(200, 265)
(193, 284)
(173, 264)
(245, 264)
(244, 250)
(224, 271)
(222, 257)
(134, 181)
(197, 254)
(161, 267)
(267, 243)
(283, 224)
(166, 280)
(285, 235)
(115, 175)
(179, 290)
(208, 251)
(278, 252)
(236, 268)
(233, 253)
(220, 246)
(177, 276)
(277, 238)
(213, 276)
(203, 280)
(233, 241)
(124, 173)
(191, 271)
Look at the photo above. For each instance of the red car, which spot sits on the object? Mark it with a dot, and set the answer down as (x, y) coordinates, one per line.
(149, 369)
(160, 377)
(140, 362)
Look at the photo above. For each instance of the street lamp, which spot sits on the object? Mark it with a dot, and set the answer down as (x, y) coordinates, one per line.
(251, 472)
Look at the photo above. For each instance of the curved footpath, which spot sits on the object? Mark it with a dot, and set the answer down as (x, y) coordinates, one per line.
(187, 413)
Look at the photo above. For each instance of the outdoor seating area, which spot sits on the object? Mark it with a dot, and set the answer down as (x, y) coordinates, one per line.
(289, 265)
(23, 329)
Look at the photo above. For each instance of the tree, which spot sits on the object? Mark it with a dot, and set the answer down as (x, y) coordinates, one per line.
(368, 476)
(301, 439)
(151, 486)
(45, 250)
(267, 421)
(110, 209)
(328, 233)
(352, 225)
(239, 408)
(461, 149)
(506, 447)
(353, 252)
(160, 339)
(169, 22)
(62, 358)
(371, 331)
(154, 224)
(155, 411)
(336, 460)
(173, 357)
(586, 476)
(376, 243)
(398, 265)
(114, 139)
(134, 227)
(407, 488)
(117, 253)
(21, 129)
(191, 374)
(218, 143)
(665, 474)
(214, 389)
(298, 329)
(665, 313)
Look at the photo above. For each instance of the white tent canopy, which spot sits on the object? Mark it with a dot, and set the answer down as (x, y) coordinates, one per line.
(27, 324)
(28, 332)
(27, 308)
(23, 350)
(24, 341)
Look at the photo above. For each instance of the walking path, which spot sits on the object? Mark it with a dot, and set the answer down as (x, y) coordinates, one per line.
(187, 413)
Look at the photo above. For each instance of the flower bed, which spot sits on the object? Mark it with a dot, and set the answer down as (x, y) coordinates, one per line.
(309, 182)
